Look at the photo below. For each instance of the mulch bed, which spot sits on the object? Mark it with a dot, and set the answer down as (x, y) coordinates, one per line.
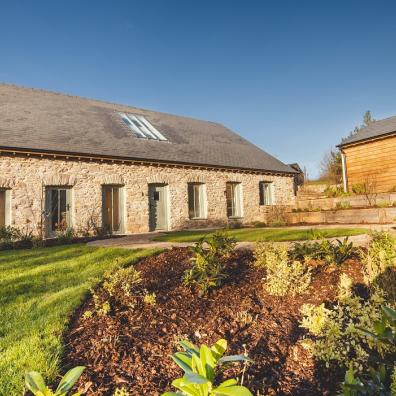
(131, 347)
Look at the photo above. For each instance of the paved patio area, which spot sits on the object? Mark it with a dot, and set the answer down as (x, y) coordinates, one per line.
(143, 241)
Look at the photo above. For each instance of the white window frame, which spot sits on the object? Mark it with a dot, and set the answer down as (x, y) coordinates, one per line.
(266, 191)
(236, 200)
(203, 201)
(7, 206)
(141, 127)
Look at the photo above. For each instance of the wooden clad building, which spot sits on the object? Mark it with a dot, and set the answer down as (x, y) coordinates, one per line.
(369, 157)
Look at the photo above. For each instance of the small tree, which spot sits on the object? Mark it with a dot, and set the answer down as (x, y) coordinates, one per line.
(331, 166)
(370, 189)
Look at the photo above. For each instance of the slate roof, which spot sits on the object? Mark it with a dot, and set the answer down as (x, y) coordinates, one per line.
(376, 129)
(44, 121)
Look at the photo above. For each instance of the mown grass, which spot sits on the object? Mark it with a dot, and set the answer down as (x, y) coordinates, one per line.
(39, 289)
(264, 234)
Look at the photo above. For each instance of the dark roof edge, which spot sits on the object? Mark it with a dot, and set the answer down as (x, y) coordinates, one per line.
(363, 140)
(22, 150)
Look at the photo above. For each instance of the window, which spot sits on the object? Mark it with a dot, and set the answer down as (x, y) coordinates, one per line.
(140, 127)
(197, 201)
(234, 199)
(58, 209)
(266, 193)
(4, 208)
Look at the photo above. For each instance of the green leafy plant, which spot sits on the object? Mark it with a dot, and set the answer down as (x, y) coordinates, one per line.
(35, 383)
(209, 257)
(380, 263)
(343, 205)
(336, 252)
(335, 191)
(65, 235)
(358, 188)
(380, 379)
(283, 276)
(334, 335)
(340, 251)
(200, 366)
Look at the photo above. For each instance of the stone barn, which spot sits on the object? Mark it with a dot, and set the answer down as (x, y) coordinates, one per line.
(71, 162)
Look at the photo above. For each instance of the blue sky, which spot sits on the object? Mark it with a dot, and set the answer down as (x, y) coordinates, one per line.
(293, 77)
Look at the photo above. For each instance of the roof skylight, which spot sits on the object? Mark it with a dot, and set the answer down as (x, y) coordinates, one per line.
(140, 127)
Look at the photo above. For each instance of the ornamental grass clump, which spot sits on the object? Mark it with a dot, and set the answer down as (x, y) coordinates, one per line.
(380, 264)
(333, 331)
(282, 275)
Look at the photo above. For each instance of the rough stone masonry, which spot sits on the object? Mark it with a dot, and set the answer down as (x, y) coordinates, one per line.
(26, 177)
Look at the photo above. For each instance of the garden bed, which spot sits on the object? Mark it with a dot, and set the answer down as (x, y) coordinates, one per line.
(131, 348)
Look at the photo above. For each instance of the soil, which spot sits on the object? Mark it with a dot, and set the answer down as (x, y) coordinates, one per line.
(131, 348)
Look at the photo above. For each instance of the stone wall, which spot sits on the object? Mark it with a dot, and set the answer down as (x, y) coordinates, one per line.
(344, 216)
(27, 176)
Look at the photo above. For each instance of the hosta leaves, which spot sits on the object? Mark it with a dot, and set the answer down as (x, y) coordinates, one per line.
(189, 347)
(232, 391)
(208, 362)
(234, 358)
(219, 348)
(195, 378)
(70, 378)
(35, 382)
(183, 360)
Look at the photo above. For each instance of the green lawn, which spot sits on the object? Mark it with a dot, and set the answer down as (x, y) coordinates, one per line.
(263, 234)
(39, 288)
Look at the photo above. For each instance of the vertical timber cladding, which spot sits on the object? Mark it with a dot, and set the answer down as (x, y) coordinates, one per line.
(372, 162)
(30, 172)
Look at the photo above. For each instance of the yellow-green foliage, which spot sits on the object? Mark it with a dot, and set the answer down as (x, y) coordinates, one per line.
(122, 280)
(393, 384)
(333, 334)
(380, 263)
(283, 276)
(150, 298)
(121, 392)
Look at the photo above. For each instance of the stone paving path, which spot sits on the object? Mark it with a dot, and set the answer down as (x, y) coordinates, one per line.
(144, 241)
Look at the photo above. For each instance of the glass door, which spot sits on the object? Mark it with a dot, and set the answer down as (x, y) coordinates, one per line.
(58, 209)
(112, 219)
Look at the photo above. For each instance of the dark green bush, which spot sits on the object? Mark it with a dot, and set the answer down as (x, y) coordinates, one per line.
(209, 257)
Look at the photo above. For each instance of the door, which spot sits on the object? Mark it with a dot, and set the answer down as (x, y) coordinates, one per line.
(112, 218)
(58, 208)
(2, 208)
(158, 203)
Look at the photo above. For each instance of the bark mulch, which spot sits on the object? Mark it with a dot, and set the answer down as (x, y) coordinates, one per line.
(131, 348)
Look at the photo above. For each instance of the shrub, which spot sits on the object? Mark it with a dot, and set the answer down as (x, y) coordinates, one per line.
(200, 366)
(358, 188)
(380, 263)
(121, 392)
(381, 378)
(283, 277)
(339, 251)
(336, 252)
(209, 257)
(65, 236)
(8, 234)
(334, 191)
(343, 205)
(334, 335)
(121, 284)
(35, 383)
(11, 238)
